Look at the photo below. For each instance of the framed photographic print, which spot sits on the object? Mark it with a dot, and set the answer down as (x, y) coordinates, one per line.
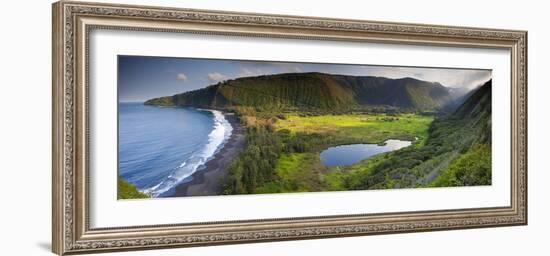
(178, 127)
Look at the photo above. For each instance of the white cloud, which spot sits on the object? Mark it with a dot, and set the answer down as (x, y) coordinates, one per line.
(297, 69)
(216, 77)
(449, 77)
(289, 67)
(247, 72)
(258, 68)
(181, 77)
(468, 78)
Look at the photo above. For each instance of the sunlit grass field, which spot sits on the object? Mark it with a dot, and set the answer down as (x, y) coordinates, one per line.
(301, 172)
(372, 128)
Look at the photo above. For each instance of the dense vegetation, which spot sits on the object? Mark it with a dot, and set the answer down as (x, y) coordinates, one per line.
(314, 92)
(457, 153)
(255, 166)
(473, 167)
(283, 151)
(127, 190)
(290, 118)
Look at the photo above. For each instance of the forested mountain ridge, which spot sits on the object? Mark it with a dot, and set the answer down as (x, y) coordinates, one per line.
(457, 152)
(314, 91)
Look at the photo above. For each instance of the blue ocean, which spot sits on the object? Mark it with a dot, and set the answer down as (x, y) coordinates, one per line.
(161, 147)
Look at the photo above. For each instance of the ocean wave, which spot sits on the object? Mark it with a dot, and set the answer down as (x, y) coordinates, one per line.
(217, 138)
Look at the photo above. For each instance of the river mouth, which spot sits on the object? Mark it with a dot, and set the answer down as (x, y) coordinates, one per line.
(345, 155)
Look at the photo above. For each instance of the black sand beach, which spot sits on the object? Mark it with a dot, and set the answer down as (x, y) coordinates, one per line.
(207, 182)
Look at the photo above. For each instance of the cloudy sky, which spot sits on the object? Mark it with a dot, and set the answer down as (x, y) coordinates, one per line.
(143, 78)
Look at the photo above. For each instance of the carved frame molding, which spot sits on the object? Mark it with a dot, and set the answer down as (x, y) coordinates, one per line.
(72, 22)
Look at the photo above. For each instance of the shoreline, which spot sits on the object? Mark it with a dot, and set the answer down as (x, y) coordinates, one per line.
(206, 182)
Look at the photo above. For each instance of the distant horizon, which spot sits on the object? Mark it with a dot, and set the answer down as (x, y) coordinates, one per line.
(141, 78)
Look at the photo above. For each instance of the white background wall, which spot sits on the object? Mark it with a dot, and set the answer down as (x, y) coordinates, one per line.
(25, 116)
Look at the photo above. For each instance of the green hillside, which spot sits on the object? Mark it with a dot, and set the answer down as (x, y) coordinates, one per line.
(127, 190)
(457, 153)
(282, 153)
(317, 91)
(291, 118)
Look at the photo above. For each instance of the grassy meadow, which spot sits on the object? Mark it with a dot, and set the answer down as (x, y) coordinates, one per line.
(290, 118)
(359, 128)
(296, 140)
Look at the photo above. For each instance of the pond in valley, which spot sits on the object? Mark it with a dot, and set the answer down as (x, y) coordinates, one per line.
(344, 155)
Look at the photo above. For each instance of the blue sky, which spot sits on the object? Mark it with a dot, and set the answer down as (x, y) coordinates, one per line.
(141, 78)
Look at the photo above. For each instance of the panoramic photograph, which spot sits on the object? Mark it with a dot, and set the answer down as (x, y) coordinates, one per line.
(209, 127)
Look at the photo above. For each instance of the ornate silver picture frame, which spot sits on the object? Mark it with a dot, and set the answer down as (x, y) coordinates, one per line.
(72, 24)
